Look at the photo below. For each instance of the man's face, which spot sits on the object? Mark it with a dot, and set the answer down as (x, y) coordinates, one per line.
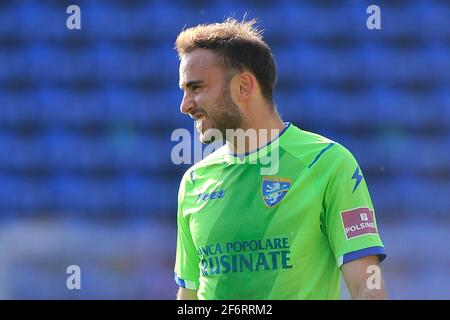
(207, 97)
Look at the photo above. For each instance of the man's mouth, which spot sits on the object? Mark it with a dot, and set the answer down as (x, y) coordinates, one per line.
(200, 117)
(199, 120)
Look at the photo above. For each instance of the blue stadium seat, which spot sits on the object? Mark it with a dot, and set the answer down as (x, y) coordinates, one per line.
(423, 110)
(116, 64)
(11, 20)
(18, 108)
(436, 59)
(150, 153)
(13, 65)
(156, 21)
(389, 66)
(76, 196)
(429, 157)
(443, 99)
(433, 21)
(293, 22)
(149, 195)
(22, 154)
(389, 151)
(120, 150)
(430, 198)
(142, 22)
(165, 106)
(295, 64)
(68, 151)
(315, 64)
(223, 9)
(106, 21)
(70, 108)
(71, 64)
(404, 109)
(10, 148)
(370, 159)
(378, 64)
(160, 63)
(27, 271)
(126, 106)
(330, 108)
(401, 21)
(22, 195)
(130, 22)
(44, 18)
(144, 108)
(43, 60)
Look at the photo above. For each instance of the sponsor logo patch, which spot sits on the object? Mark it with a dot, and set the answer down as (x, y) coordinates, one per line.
(358, 222)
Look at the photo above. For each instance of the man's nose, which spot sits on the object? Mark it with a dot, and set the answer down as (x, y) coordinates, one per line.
(186, 104)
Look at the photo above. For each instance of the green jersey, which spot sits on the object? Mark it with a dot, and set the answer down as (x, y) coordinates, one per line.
(246, 235)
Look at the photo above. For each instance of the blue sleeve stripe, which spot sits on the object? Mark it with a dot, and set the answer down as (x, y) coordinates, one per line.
(179, 281)
(187, 284)
(379, 251)
(321, 153)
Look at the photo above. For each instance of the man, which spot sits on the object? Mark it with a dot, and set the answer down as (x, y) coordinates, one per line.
(247, 235)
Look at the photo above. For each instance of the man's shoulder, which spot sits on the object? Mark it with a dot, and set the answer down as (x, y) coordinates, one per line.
(215, 158)
(313, 148)
(303, 140)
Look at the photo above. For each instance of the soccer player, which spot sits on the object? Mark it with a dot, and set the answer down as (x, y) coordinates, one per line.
(246, 234)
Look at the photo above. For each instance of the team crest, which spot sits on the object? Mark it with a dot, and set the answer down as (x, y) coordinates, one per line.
(274, 190)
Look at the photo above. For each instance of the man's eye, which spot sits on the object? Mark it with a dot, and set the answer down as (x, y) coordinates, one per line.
(195, 88)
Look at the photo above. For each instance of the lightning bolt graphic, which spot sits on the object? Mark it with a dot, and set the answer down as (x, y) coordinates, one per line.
(358, 177)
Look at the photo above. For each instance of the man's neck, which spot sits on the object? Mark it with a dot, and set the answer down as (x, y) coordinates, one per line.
(255, 135)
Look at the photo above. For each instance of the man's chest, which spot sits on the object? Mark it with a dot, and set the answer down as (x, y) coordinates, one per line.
(249, 208)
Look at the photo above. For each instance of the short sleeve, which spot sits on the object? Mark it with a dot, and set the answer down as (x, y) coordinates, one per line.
(350, 221)
(187, 270)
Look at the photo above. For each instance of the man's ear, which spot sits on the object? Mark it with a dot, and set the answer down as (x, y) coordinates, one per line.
(246, 85)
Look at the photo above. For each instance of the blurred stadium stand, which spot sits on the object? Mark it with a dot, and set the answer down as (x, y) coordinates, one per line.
(86, 118)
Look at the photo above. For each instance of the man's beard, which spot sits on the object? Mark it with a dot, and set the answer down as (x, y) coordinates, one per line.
(227, 116)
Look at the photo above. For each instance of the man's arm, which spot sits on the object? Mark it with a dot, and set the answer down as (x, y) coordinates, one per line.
(186, 294)
(364, 279)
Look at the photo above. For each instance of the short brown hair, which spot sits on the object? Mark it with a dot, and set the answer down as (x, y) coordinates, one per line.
(241, 46)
